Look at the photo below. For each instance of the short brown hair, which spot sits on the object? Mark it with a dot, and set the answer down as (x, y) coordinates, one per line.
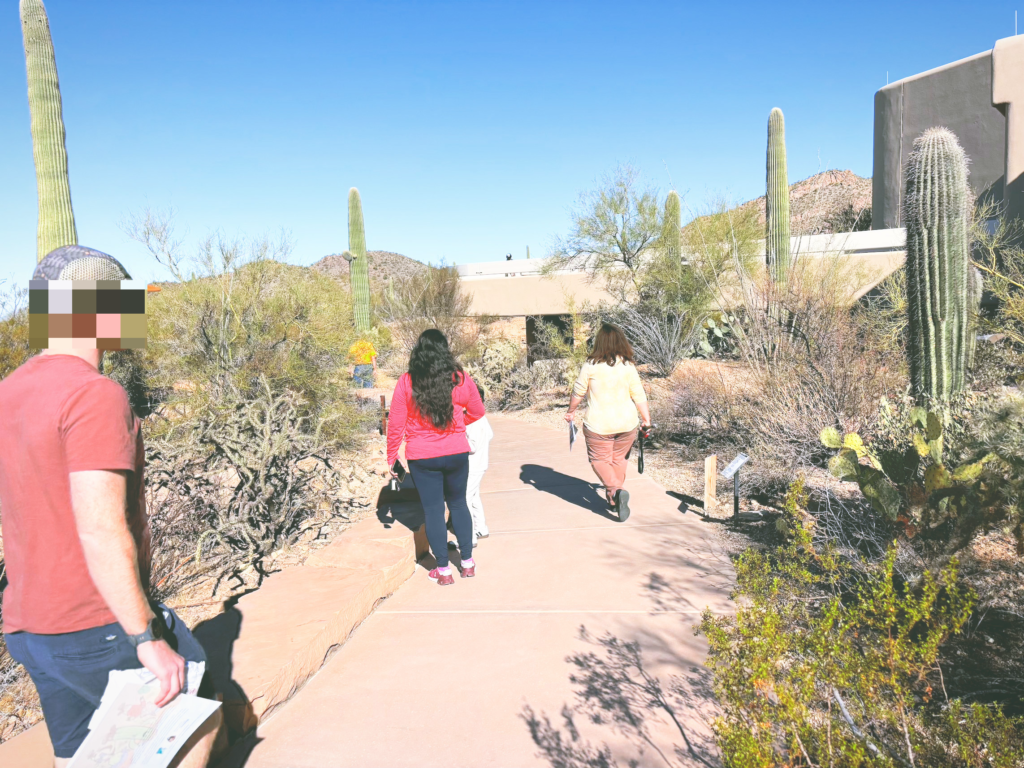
(610, 345)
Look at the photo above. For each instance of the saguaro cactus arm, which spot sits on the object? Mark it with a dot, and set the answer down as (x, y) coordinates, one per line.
(56, 218)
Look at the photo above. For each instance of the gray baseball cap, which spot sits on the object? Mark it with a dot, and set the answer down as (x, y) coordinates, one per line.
(76, 262)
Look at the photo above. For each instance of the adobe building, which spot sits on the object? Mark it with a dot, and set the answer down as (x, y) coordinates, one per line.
(980, 99)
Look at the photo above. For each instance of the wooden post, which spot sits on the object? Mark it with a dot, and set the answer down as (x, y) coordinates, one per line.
(383, 416)
(710, 483)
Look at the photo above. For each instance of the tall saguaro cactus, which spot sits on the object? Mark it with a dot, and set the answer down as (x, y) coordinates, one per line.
(56, 219)
(777, 200)
(936, 213)
(358, 267)
(673, 226)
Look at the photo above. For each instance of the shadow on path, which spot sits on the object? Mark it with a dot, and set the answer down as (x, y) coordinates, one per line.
(615, 690)
(567, 488)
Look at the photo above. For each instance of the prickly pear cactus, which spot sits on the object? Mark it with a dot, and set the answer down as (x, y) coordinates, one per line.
(358, 266)
(777, 200)
(56, 219)
(937, 216)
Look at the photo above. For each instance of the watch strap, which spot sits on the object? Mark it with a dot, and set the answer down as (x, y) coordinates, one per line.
(150, 634)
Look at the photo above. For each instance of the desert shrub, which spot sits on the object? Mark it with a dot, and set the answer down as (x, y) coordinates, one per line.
(996, 252)
(661, 337)
(245, 373)
(702, 400)
(431, 298)
(502, 371)
(550, 374)
(237, 477)
(553, 344)
(236, 317)
(883, 313)
(811, 673)
(14, 349)
(812, 364)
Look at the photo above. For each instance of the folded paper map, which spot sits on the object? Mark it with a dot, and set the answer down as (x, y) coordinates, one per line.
(128, 729)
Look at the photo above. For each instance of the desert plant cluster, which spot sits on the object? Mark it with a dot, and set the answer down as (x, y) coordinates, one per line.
(884, 431)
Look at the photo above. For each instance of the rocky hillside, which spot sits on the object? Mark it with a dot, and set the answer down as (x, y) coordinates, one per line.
(383, 264)
(825, 203)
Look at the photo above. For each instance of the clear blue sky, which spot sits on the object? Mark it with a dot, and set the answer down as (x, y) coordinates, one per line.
(469, 127)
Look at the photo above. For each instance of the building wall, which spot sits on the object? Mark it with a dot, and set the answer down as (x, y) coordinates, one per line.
(957, 96)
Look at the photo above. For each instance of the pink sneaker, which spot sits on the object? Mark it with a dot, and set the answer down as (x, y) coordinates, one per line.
(443, 579)
(468, 569)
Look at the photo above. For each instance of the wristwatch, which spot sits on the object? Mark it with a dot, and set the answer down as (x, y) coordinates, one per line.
(154, 631)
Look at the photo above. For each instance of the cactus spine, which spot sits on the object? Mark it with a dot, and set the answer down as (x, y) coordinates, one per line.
(358, 267)
(56, 219)
(936, 213)
(673, 226)
(777, 200)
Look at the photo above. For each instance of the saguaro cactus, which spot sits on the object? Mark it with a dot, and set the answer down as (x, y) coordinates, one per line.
(56, 219)
(777, 200)
(673, 226)
(358, 266)
(936, 213)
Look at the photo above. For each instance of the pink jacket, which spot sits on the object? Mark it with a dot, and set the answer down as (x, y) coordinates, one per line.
(422, 439)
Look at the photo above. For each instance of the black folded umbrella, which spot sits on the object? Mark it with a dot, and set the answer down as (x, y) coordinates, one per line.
(641, 436)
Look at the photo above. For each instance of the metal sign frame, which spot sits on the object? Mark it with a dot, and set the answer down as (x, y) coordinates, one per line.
(734, 466)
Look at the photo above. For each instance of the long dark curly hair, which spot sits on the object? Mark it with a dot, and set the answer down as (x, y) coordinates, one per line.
(434, 373)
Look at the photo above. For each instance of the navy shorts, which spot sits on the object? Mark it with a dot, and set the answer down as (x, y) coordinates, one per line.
(70, 671)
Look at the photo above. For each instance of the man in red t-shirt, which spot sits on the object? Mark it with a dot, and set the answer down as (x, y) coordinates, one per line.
(75, 532)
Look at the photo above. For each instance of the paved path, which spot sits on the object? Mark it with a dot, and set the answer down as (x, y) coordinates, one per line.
(441, 677)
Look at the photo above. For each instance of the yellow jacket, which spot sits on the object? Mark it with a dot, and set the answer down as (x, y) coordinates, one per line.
(613, 393)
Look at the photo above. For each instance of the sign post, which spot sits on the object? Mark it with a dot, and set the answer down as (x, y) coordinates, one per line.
(710, 483)
(733, 471)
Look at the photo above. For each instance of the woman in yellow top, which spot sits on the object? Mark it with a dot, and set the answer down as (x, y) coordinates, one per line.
(611, 385)
(364, 359)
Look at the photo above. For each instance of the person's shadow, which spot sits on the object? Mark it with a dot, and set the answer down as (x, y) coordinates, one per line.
(566, 487)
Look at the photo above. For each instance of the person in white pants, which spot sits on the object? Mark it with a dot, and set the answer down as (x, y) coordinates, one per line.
(479, 434)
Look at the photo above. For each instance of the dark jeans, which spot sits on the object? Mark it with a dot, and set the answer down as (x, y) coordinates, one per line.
(362, 375)
(70, 671)
(438, 480)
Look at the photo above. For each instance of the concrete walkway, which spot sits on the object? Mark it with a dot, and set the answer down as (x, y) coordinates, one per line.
(446, 677)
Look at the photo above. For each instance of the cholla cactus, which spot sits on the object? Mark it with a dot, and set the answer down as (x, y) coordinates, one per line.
(56, 219)
(777, 200)
(937, 216)
(358, 267)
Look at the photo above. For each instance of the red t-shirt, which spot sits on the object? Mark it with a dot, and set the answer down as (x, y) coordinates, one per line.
(422, 439)
(58, 415)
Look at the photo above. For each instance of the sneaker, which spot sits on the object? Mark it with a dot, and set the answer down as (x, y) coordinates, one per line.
(443, 579)
(468, 569)
(622, 504)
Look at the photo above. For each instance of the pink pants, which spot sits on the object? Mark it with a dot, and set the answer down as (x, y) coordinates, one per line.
(607, 454)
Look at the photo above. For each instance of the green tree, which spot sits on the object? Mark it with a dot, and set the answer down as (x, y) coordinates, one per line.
(615, 230)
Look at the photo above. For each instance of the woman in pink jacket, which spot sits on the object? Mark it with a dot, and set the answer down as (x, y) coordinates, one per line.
(430, 408)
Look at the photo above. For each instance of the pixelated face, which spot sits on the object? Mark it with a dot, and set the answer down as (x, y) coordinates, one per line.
(87, 314)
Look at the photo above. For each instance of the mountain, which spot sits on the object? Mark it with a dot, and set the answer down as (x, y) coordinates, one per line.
(383, 264)
(825, 203)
